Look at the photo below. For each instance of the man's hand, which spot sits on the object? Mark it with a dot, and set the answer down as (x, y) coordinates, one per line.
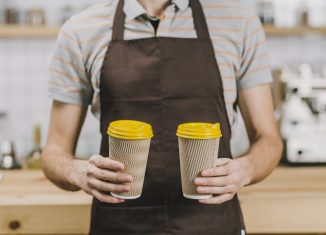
(100, 175)
(229, 176)
(223, 181)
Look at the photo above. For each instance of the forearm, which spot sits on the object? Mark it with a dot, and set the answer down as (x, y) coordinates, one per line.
(262, 158)
(62, 168)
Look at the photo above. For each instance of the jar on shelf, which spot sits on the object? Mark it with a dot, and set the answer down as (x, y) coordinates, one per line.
(11, 12)
(287, 13)
(2, 12)
(266, 12)
(316, 13)
(35, 17)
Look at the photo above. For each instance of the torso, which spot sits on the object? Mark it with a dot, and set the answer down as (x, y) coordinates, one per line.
(226, 20)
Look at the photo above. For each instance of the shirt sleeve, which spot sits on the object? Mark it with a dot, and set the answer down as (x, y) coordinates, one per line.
(68, 81)
(255, 66)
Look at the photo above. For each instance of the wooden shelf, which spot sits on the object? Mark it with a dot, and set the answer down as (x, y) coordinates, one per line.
(297, 31)
(21, 31)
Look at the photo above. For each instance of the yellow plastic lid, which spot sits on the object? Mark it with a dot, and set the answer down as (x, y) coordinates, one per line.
(130, 130)
(199, 130)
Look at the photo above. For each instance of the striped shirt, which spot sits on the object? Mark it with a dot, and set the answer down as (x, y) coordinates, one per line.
(238, 39)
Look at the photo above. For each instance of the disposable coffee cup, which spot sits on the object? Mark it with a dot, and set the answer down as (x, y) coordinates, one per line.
(198, 150)
(129, 143)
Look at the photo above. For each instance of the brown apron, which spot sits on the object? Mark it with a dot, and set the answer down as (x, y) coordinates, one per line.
(165, 82)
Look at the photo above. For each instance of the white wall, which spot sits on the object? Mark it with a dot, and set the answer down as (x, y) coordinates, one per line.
(53, 8)
(23, 82)
(23, 94)
(295, 50)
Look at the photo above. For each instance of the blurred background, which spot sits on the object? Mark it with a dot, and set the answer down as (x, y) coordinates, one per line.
(291, 201)
(296, 31)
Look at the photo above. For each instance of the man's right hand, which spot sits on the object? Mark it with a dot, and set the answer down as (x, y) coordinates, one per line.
(100, 176)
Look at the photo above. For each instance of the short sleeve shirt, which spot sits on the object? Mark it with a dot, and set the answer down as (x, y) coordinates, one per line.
(237, 35)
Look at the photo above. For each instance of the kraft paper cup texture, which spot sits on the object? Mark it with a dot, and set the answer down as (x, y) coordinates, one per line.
(196, 155)
(134, 155)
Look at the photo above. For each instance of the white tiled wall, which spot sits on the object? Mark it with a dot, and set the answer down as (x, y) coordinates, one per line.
(24, 74)
(23, 94)
(296, 50)
(23, 82)
(53, 8)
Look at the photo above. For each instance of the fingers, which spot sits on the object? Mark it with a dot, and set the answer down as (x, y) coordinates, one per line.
(217, 171)
(106, 175)
(218, 199)
(106, 163)
(103, 175)
(102, 197)
(99, 185)
(216, 190)
(213, 181)
(222, 180)
(215, 185)
(222, 168)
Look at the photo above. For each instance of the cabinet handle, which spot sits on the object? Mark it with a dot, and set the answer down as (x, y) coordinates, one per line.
(14, 225)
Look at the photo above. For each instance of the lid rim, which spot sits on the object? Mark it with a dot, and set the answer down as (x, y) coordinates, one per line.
(199, 130)
(130, 130)
(130, 137)
(199, 137)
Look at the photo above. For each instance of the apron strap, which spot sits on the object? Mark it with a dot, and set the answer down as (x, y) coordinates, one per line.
(119, 22)
(199, 19)
(197, 11)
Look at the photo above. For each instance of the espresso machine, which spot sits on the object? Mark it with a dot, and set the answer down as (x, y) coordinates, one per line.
(303, 123)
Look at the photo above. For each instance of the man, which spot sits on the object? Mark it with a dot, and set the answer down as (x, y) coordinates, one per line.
(165, 63)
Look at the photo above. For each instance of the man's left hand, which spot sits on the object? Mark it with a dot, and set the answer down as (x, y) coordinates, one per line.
(223, 181)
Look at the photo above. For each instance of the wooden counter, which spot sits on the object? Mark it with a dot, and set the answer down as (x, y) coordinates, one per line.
(291, 200)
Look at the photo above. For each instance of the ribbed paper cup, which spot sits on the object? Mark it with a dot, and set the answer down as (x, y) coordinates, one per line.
(133, 154)
(129, 143)
(198, 150)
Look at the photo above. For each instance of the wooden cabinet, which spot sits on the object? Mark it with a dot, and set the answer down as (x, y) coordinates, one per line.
(30, 204)
(291, 200)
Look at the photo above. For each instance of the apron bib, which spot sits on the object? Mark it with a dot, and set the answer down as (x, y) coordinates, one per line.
(165, 82)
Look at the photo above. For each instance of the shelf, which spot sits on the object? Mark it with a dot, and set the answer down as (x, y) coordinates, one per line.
(21, 31)
(296, 31)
